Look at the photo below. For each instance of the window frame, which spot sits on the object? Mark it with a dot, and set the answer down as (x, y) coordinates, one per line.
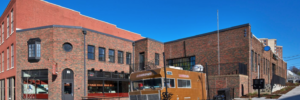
(7, 57)
(128, 57)
(184, 79)
(113, 56)
(101, 54)
(90, 52)
(121, 58)
(2, 37)
(36, 49)
(8, 34)
(2, 61)
(163, 80)
(156, 58)
(12, 21)
(12, 56)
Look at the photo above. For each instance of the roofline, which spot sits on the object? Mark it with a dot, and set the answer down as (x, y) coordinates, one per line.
(88, 16)
(5, 10)
(222, 30)
(76, 27)
(148, 39)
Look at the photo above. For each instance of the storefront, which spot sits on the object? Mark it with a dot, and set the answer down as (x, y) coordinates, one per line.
(35, 84)
(108, 84)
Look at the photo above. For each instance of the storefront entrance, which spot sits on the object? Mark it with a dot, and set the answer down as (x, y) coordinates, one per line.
(67, 84)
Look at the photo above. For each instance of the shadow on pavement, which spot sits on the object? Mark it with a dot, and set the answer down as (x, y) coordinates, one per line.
(296, 97)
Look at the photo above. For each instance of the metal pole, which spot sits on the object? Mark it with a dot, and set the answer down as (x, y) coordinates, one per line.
(84, 82)
(207, 80)
(165, 77)
(218, 43)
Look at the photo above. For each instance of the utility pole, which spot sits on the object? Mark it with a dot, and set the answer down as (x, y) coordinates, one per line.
(165, 78)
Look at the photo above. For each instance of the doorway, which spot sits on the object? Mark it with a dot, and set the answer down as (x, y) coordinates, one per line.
(67, 84)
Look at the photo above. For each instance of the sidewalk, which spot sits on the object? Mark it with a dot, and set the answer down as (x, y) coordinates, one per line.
(292, 95)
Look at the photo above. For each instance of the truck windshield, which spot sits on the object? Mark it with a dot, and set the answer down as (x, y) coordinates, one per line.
(147, 83)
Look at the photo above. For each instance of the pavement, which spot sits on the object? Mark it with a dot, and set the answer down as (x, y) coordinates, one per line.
(292, 95)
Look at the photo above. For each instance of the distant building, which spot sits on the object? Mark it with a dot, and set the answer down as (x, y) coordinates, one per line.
(273, 44)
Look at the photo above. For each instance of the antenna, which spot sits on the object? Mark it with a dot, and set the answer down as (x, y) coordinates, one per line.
(218, 43)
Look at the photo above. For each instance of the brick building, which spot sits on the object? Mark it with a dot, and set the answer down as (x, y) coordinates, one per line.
(44, 51)
(242, 58)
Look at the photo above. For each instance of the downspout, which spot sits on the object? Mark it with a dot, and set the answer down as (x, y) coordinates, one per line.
(84, 82)
(133, 57)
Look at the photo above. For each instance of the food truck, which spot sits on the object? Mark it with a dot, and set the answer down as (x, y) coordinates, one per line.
(181, 84)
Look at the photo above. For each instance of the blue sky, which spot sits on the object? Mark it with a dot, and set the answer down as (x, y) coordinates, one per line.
(166, 20)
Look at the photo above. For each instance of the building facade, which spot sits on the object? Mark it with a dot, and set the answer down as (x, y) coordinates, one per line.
(45, 49)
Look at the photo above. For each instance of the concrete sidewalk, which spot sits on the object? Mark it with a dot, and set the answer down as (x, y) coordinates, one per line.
(292, 95)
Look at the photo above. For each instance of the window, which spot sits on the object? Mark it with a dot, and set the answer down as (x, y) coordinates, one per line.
(35, 83)
(183, 83)
(91, 52)
(7, 26)
(1, 38)
(186, 63)
(128, 58)
(1, 68)
(255, 60)
(2, 89)
(12, 56)
(2, 32)
(147, 83)
(252, 64)
(2, 61)
(7, 55)
(111, 55)
(120, 57)
(12, 21)
(34, 49)
(156, 59)
(11, 89)
(170, 83)
(101, 54)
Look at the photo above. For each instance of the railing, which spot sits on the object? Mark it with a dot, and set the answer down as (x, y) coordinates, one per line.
(142, 66)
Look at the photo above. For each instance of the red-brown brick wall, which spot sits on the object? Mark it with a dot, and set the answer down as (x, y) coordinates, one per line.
(36, 13)
(52, 52)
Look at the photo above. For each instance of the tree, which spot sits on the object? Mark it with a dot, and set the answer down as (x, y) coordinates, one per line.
(294, 69)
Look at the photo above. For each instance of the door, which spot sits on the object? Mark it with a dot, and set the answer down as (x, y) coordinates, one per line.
(142, 61)
(67, 84)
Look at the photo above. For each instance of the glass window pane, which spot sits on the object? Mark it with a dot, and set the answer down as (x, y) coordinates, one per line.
(68, 88)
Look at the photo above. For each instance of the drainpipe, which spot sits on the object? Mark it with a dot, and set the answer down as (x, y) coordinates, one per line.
(84, 82)
(133, 57)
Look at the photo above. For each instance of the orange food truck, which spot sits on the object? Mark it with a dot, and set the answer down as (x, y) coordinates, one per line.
(181, 84)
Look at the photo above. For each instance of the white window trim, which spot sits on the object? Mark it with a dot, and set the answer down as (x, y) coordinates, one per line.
(2, 62)
(163, 80)
(11, 22)
(7, 57)
(11, 56)
(184, 79)
(7, 27)
(2, 37)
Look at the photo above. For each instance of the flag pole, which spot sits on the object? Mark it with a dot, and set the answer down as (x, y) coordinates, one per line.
(218, 42)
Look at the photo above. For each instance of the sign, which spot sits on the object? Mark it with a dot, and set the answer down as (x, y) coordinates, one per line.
(68, 72)
(267, 48)
(54, 72)
(258, 83)
(183, 75)
(169, 73)
(144, 74)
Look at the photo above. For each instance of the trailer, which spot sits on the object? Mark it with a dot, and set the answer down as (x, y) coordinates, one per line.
(181, 85)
